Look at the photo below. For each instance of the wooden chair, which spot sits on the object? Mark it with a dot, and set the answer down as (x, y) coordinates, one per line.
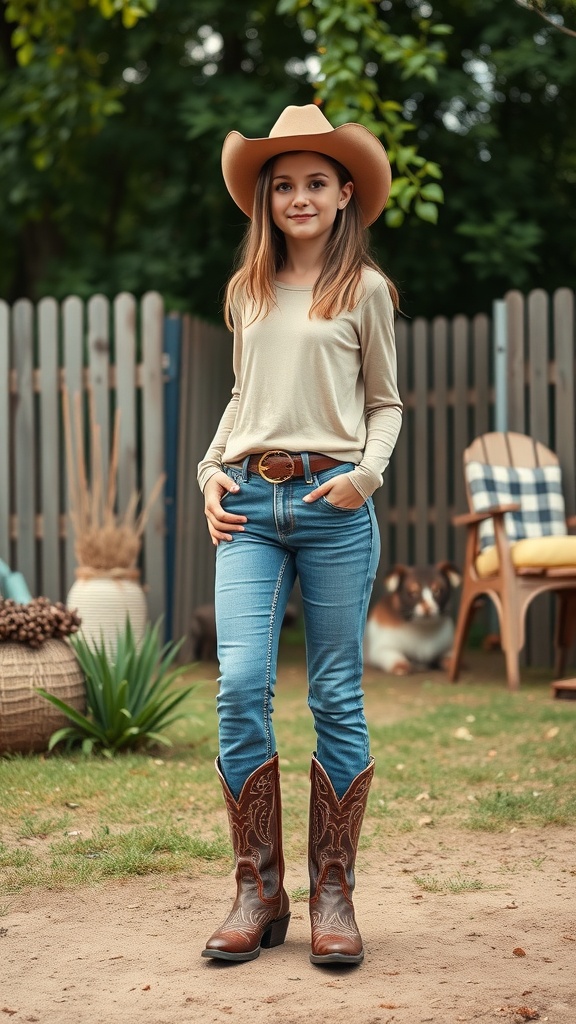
(524, 559)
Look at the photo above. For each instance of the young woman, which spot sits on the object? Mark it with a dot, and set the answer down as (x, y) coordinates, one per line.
(287, 480)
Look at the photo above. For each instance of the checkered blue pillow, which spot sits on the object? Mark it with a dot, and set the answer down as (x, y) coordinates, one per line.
(537, 491)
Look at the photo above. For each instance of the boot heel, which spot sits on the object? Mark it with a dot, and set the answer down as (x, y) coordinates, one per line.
(275, 933)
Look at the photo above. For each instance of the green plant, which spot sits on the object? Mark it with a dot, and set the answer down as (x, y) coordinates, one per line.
(129, 696)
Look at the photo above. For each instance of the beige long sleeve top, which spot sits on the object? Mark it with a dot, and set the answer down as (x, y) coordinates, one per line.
(315, 385)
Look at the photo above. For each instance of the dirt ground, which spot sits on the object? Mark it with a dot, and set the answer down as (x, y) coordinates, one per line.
(130, 951)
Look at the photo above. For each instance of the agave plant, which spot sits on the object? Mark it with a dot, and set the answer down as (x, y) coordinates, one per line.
(129, 697)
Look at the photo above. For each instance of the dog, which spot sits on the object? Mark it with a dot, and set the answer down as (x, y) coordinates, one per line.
(203, 630)
(408, 629)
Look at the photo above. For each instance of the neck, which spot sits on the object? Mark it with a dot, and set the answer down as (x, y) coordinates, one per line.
(304, 261)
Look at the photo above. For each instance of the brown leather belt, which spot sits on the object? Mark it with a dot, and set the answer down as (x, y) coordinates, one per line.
(278, 466)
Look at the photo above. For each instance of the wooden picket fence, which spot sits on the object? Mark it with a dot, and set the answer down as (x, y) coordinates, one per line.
(446, 371)
(171, 377)
(116, 351)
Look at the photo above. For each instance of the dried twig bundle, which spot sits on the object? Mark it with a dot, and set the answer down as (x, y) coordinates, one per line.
(104, 538)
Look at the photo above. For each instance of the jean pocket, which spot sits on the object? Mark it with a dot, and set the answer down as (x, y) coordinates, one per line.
(340, 509)
(236, 476)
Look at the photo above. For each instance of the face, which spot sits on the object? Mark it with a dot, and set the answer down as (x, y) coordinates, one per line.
(422, 592)
(306, 195)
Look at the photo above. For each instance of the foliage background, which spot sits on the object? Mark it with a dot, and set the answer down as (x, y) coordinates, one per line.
(111, 124)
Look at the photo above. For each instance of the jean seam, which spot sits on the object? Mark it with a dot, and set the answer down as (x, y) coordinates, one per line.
(266, 705)
(370, 577)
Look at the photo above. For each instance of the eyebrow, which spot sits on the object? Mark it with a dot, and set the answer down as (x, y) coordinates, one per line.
(317, 174)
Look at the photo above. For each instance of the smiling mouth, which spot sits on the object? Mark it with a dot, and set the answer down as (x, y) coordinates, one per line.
(302, 216)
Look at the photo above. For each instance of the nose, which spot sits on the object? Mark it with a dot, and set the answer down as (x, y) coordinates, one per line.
(300, 199)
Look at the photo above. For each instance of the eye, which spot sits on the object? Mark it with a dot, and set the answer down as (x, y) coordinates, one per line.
(283, 186)
(315, 185)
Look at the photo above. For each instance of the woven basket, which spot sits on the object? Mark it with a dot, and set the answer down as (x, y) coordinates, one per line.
(27, 720)
(104, 602)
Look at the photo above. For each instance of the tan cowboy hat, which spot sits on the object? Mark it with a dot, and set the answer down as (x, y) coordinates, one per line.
(306, 128)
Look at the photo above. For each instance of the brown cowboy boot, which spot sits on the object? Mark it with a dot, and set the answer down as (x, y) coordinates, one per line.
(259, 917)
(333, 841)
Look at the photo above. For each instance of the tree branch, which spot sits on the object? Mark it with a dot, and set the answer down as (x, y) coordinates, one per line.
(536, 10)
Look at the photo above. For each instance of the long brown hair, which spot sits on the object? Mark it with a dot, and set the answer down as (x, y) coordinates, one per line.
(263, 253)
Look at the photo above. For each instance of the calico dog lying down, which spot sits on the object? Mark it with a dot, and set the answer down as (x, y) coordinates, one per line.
(408, 629)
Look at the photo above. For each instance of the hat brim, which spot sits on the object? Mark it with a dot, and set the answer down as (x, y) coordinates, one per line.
(352, 145)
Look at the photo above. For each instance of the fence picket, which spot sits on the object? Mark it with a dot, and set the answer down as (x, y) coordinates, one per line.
(184, 575)
(153, 447)
(539, 633)
(516, 362)
(400, 455)
(481, 350)
(5, 473)
(25, 441)
(51, 449)
(565, 409)
(461, 435)
(125, 363)
(440, 411)
(73, 345)
(99, 364)
(421, 452)
(538, 405)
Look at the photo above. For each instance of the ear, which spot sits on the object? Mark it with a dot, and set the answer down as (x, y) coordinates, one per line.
(393, 579)
(451, 573)
(345, 194)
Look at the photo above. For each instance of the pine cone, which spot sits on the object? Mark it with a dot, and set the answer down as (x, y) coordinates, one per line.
(36, 622)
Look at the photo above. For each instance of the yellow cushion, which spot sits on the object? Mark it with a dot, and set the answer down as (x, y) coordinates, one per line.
(540, 552)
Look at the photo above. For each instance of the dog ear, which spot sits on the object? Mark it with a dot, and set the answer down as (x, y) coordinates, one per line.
(451, 573)
(393, 578)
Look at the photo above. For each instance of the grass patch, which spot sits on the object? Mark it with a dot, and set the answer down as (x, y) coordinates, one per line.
(300, 894)
(479, 758)
(447, 757)
(457, 884)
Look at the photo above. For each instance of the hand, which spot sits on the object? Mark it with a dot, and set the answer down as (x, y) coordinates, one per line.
(220, 521)
(339, 491)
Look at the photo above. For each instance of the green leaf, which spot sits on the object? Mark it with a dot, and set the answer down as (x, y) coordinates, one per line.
(432, 170)
(406, 196)
(19, 36)
(433, 192)
(61, 734)
(394, 217)
(25, 54)
(72, 714)
(397, 185)
(426, 211)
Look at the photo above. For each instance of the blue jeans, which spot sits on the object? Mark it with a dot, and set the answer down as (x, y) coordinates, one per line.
(335, 553)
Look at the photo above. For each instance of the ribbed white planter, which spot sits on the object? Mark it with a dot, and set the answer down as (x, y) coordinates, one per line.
(104, 601)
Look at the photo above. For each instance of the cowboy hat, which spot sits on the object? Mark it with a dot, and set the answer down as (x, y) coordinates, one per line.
(306, 128)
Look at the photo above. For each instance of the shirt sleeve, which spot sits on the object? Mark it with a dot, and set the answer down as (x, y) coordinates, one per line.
(212, 461)
(382, 405)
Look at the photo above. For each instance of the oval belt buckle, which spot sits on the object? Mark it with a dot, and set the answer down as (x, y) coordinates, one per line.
(276, 479)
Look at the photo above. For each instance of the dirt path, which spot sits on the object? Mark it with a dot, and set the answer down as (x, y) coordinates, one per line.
(130, 951)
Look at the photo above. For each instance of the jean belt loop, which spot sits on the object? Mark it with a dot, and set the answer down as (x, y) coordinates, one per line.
(306, 467)
(245, 469)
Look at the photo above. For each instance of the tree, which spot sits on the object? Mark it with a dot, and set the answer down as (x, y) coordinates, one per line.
(499, 121)
(111, 139)
(133, 198)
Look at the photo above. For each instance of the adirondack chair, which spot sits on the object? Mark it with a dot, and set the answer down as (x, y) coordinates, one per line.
(517, 543)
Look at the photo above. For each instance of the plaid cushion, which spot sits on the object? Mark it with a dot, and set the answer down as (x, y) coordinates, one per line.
(537, 491)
